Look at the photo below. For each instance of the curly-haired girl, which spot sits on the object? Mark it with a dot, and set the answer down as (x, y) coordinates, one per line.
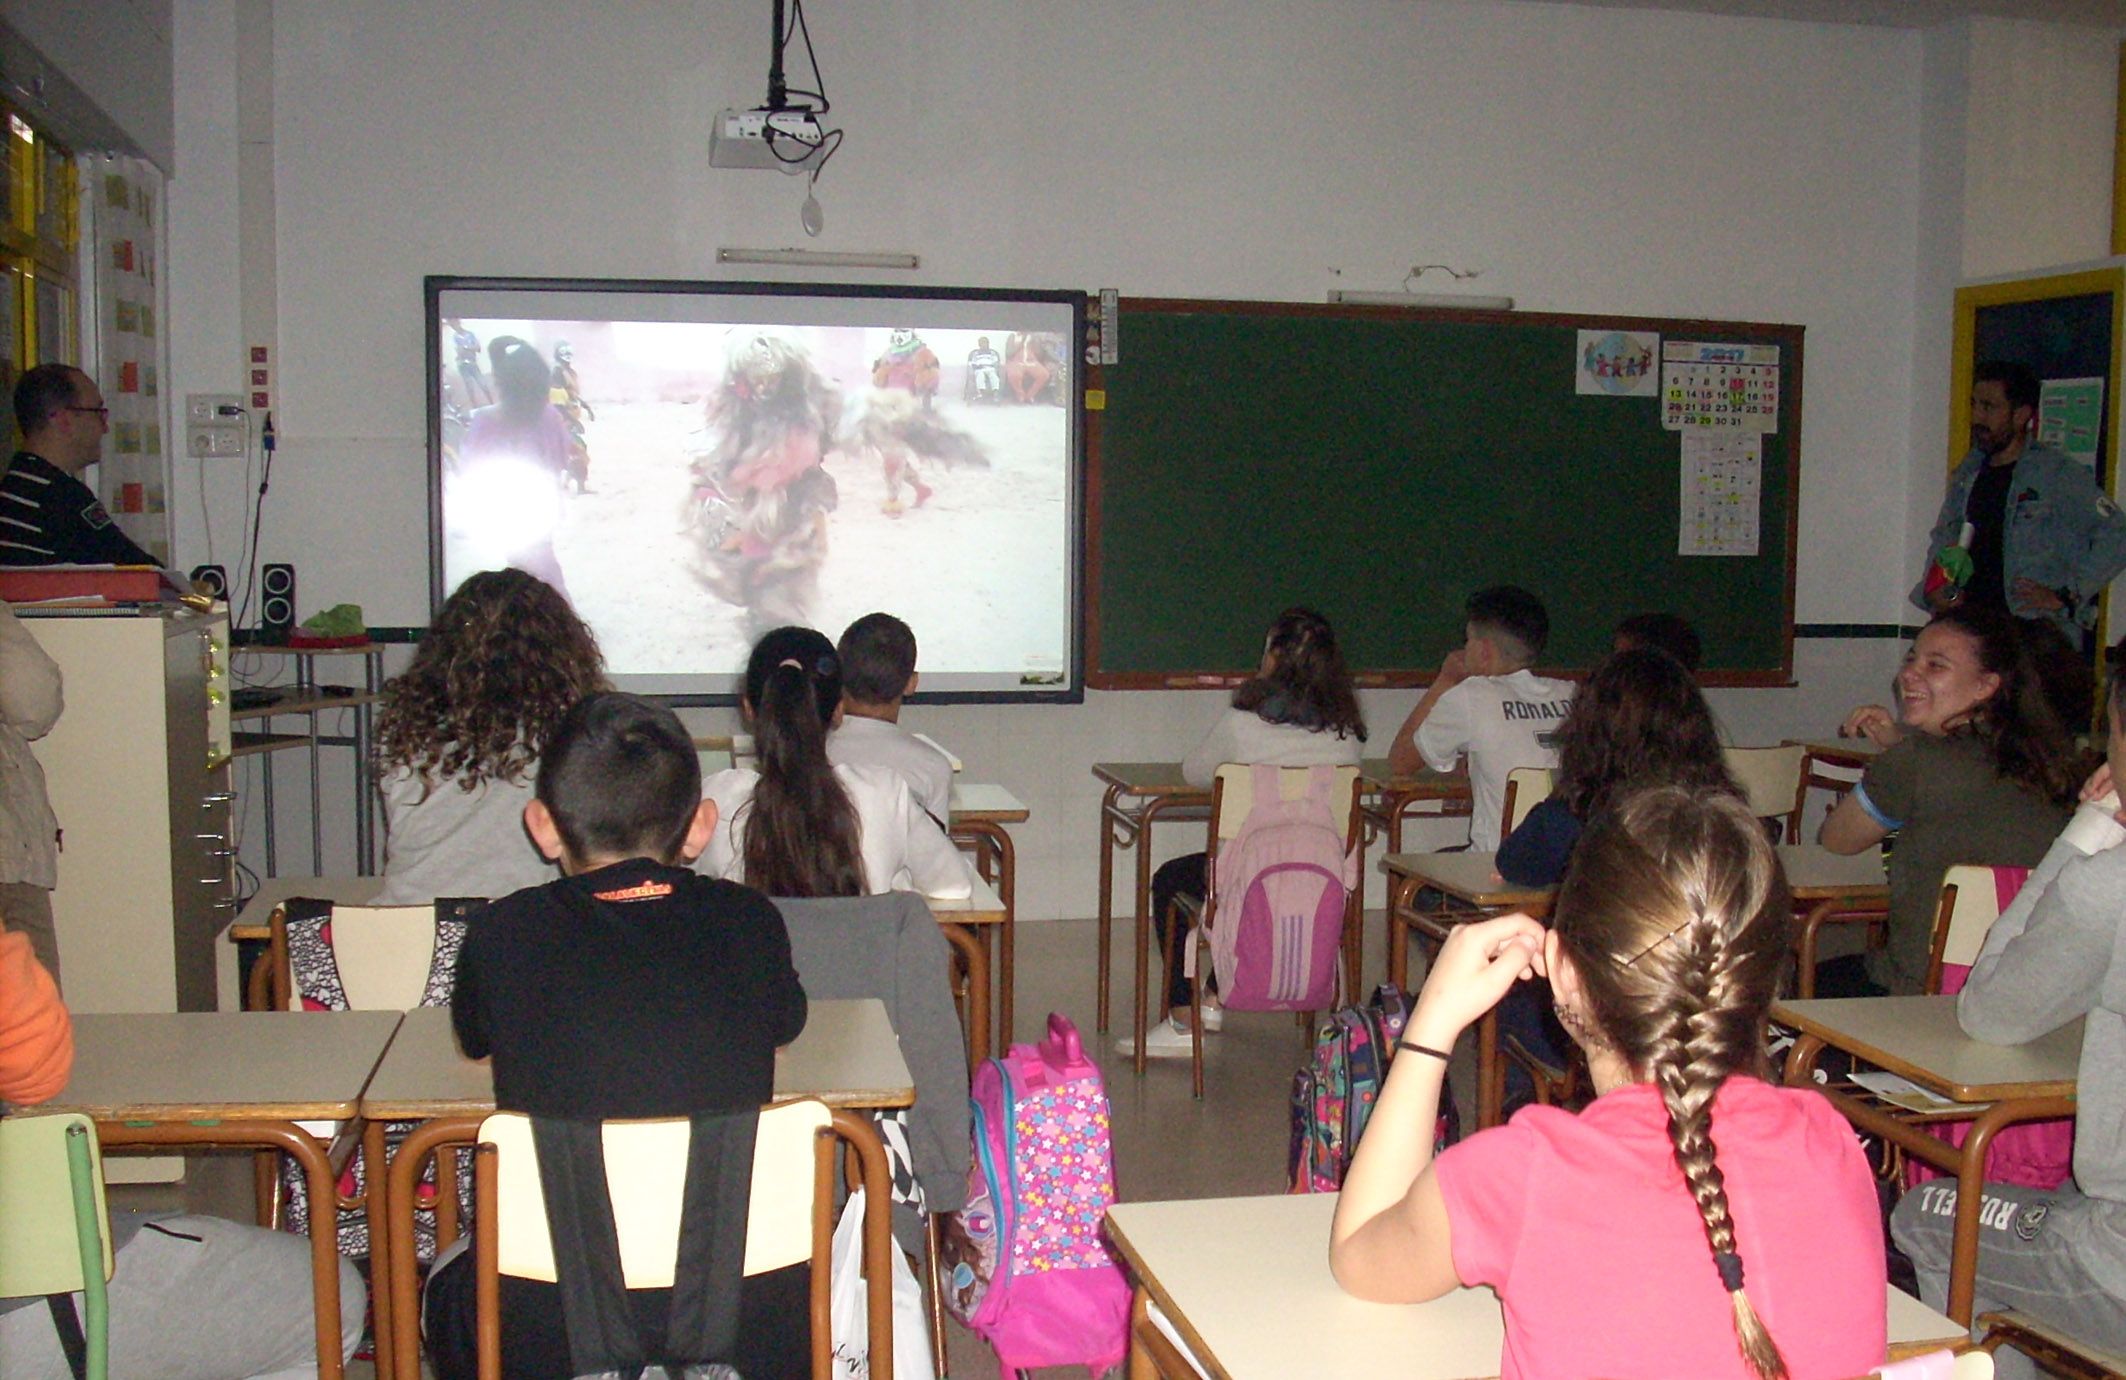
(459, 737)
(1694, 1219)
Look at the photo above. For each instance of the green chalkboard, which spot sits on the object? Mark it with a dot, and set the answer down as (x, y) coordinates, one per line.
(1380, 464)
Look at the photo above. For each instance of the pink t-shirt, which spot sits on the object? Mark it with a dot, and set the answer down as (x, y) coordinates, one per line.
(1584, 1227)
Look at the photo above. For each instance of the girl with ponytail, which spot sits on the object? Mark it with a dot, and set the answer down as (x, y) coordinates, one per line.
(1694, 1219)
(799, 826)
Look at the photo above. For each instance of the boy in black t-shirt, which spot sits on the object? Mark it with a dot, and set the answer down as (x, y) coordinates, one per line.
(632, 987)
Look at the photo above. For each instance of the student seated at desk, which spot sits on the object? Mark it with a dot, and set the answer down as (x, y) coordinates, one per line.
(1486, 705)
(1643, 1235)
(460, 734)
(877, 655)
(2058, 952)
(629, 988)
(1975, 768)
(1299, 710)
(192, 1297)
(800, 826)
(1638, 721)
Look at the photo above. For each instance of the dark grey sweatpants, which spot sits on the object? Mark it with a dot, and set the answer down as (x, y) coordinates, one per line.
(2040, 1251)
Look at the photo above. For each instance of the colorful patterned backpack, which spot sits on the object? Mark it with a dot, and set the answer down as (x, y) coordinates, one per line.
(316, 985)
(1029, 1270)
(1334, 1091)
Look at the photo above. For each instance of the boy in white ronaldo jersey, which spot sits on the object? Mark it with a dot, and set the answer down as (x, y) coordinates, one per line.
(1486, 705)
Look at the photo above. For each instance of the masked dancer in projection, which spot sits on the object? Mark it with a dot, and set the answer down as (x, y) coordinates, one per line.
(761, 493)
(900, 426)
(903, 437)
(567, 393)
(511, 467)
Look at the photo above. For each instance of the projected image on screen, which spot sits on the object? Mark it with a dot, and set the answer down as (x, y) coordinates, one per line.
(691, 483)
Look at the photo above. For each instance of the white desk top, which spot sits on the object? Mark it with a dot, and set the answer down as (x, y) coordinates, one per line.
(1471, 876)
(1918, 1038)
(1248, 1279)
(1816, 873)
(848, 1056)
(982, 907)
(981, 801)
(1813, 871)
(249, 1065)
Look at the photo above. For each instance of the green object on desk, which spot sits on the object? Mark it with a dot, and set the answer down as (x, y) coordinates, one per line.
(341, 620)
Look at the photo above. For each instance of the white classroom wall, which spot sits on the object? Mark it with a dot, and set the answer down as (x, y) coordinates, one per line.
(1585, 159)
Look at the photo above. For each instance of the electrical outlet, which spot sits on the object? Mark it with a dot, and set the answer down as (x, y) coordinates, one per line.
(207, 442)
(204, 409)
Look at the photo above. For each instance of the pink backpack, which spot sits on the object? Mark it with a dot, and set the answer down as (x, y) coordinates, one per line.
(2034, 1154)
(1029, 1270)
(1282, 885)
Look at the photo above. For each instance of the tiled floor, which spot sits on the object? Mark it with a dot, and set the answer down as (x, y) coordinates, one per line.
(1167, 1145)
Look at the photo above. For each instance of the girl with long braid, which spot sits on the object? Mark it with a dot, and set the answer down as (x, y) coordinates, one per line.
(1694, 1219)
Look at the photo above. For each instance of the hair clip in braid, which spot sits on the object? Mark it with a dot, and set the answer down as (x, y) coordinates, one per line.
(1730, 1267)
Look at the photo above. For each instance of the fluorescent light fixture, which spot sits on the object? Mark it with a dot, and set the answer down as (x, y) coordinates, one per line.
(1450, 300)
(815, 258)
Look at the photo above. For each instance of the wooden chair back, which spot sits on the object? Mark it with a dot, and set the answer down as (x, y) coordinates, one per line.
(1963, 915)
(968, 972)
(1526, 788)
(790, 1211)
(383, 953)
(1774, 782)
(2057, 1352)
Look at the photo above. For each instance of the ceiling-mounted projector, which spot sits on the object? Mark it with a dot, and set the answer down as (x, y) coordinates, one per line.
(789, 140)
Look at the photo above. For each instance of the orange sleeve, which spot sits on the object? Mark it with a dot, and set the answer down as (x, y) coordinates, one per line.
(36, 1037)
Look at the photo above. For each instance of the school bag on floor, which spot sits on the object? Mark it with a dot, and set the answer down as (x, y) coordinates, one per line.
(1029, 1269)
(1334, 1091)
(1282, 884)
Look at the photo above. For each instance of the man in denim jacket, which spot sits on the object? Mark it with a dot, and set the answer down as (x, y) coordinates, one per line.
(2045, 541)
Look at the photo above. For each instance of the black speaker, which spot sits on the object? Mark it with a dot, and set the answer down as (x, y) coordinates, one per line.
(276, 604)
(210, 580)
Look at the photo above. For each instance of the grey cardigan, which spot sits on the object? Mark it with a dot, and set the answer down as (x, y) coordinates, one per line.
(890, 947)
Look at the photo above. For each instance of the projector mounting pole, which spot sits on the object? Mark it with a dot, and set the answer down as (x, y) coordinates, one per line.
(778, 90)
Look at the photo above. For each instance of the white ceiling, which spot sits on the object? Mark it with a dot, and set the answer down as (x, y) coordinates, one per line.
(1898, 14)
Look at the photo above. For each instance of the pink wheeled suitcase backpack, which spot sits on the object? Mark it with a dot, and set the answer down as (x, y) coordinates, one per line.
(1031, 1272)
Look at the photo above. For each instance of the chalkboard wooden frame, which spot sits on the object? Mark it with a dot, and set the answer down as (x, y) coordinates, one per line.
(1775, 627)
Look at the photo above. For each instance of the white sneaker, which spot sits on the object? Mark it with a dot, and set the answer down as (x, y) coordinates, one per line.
(1213, 1018)
(1163, 1041)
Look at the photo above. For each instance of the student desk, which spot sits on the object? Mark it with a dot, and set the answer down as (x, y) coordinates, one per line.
(848, 1056)
(1246, 1282)
(1836, 887)
(1475, 891)
(1845, 755)
(1918, 1038)
(1138, 795)
(979, 814)
(1388, 797)
(238, 1079)
(982, 908)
